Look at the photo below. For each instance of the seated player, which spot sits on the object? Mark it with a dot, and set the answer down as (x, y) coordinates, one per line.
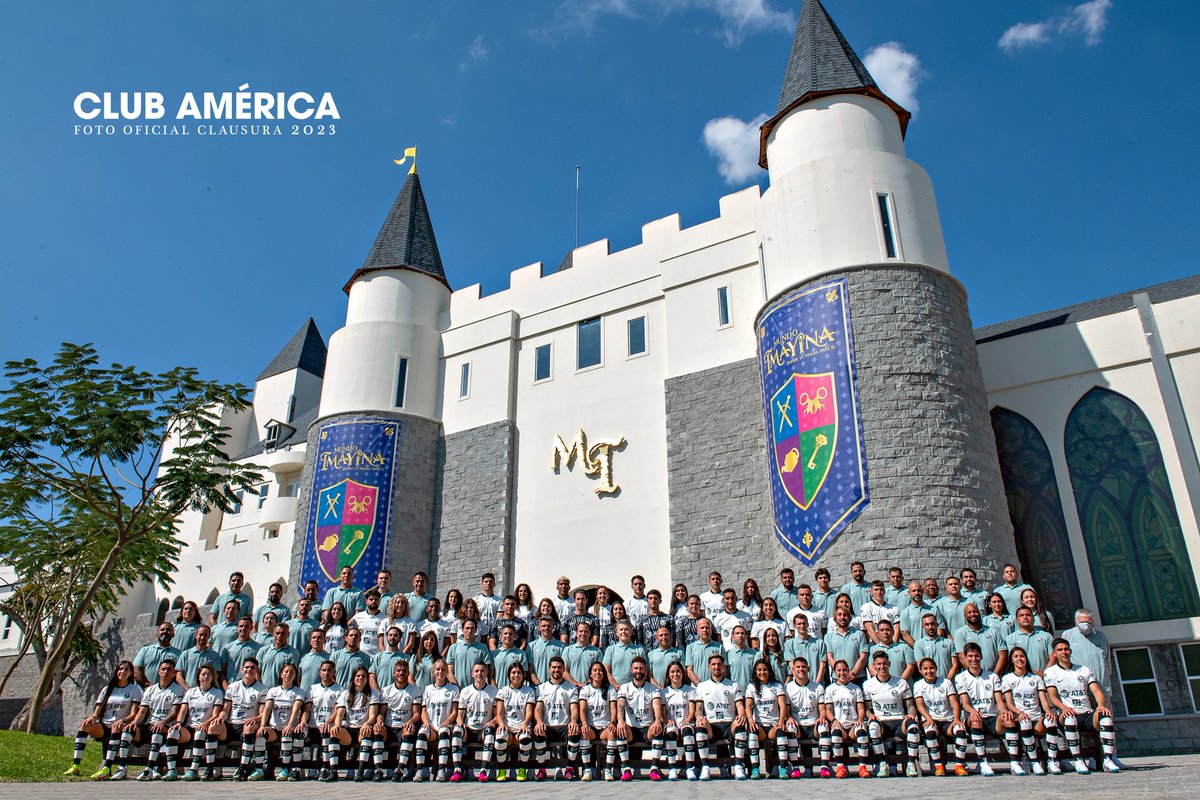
(678, 720)
(239, 720)
(199, 708)
(556, 718)
(1027, 701)
(158, 707)
(282, 718)
(766, 713)
(890, 714)
(477, 717)
(982, 702)
(320, 707)
(439, 713)
(597, 710)
(515, 702)
(806, 722)
(937, 705)
(401, 720)
(636, 712)
(1076, 694)
(354, 721)
(846, 711)
(721, 715)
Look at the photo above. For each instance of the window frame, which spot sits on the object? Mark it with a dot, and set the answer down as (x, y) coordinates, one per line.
(549, 348)
(889, 234)
(629, 337)
(400, 382)
(1188, 677)
(724, 307)
(464, 381)
(1121, 681)
(264, 492)
(579, 366)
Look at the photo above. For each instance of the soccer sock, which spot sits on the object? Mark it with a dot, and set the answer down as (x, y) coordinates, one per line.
(977, 741)
(739, 744)
(1052, 740)
(285, 750)
(781, 748)
(524, 748)
(838, 744)
(156, 743)
(960, 744)
(572, 748)
(126, 743)
(110, 750)
(656, 752)
(933, 745)
(334, 754)
(406, 752)
(422, 750)
(623, 750)
(1108, 737)
(379, 752)
(912, 741)
(81, 740)
(1028, 740)
(610, 755)
(752, 742)
(689, 745)
(489, 746)
(456, 746)
(875, 734)
(824, 743)
(702, 744)
(502, 754)
(1012, 743)
(198, 744)
(539, 743)
(585, 752)
(171, 749)
(366, 748)
(863, 741)
(443, 747)
(247, 749)
(260, 750)
(211, 745)
(1071, 726)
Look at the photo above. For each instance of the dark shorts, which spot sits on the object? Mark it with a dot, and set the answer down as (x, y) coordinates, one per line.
(475, 735)
(556, 733)
(891, 729)
(721, 730)
(1086, 720)
(806, 732)
(990, 726)
(637, 735)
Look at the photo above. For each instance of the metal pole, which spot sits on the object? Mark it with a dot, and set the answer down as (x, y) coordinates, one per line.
(576, 206)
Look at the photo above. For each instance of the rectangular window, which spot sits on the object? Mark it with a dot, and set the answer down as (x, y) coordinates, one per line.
(541, 363)
(637, 336)
(290, 489)
(291, 408)
(8, 627)
(1191, 667)
(237, 504)
(271, 533)
(724, 320)
(263, 491)
(464, 381)
(885, 219)
(1135, 674)
(589, 343)
(401, 381)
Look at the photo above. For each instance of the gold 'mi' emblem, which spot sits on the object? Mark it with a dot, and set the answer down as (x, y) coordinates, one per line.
(596, 460)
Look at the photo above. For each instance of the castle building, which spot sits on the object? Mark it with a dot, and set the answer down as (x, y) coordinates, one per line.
(626, 411)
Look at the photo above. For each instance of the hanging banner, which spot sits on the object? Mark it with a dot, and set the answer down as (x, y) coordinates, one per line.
(816, 460)
(350, 500)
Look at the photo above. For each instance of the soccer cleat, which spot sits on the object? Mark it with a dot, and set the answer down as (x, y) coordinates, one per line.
(1053, 767)
(120, 774)
(191, 775)
(72, 770)
(1091, 762)
(961, 770)
(102, 774)
(985, 769)
(608, 775)
(443, 775)
(739, 772)
(1036, 768)
(456, 776)
(1080, 766)
(673, 774)
(626, 775)
(841, 771)
(377, 776)
(421, 776)
(911, 770)
(540, 775)
(691, 774)
(705, 773)
(147, 775)
(522, 774)
(1110, 765)
(482, 776)
(1015, 768)
(864, 771)
(502, 776)
(882, 770)
(655, 775)
(568, 774)
(755, 774)
(939, 770)
(825, 772)
(587, 775)
(171, 775)
(782, 773)
(240, 774)
(797, 772)
(257, 775)
(296, 775)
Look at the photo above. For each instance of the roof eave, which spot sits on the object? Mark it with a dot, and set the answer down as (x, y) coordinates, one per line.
(902, 115)
(361, 271)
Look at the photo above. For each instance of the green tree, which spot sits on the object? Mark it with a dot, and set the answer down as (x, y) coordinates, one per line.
(96, 466)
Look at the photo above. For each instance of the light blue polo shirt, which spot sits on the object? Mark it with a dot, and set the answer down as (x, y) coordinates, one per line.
(618, 657)
(989, 642)
(941, 650)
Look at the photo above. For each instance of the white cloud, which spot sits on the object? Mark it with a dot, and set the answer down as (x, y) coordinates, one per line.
(743, 18)
(735, 144)
(1087, 20)
(738, 18)
(477, 53)
(897, 71)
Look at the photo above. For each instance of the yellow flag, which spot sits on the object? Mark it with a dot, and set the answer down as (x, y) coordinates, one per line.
(409, 152)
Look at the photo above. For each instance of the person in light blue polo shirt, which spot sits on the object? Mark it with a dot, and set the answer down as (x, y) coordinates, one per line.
(236, 582)
(310, 663)
(1034, 641)
(581, 654)
(843, 643)
(972, 590)
(911, 615)
(1012, 587)
(344, 593)
(619, 655)
(857, 587)
(811, 648)
(993, 649)
(951, 605)
(148, 658)
(274, 603)
(785, 592)
(896, 592)
(199, 654)
(301, 625)
(902, 662)
(933, 645)
(240, 649)
(1089, 646)
(541, 649)
(419, 596)
(824, 596)
(273, 656)
(663, 656)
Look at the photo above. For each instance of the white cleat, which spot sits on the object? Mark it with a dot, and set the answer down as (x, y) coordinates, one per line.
(1080, 766)
(985, 769)
(1016, 769)
(1110, 765)
(1036, 768)
(705, 773)
(739, 772)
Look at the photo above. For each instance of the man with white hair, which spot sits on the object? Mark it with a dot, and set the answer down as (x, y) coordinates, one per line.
(1089, 646)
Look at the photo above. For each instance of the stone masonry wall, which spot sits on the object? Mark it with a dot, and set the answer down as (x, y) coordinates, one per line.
(937, 499)
(412, 498)
(473, 517)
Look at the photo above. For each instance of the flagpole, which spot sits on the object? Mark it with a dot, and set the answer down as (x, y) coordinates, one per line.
(576, 206)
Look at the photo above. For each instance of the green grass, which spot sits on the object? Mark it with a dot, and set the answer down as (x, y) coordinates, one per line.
(38, 759)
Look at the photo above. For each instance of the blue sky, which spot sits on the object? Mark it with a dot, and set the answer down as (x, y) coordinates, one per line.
(1060, 138)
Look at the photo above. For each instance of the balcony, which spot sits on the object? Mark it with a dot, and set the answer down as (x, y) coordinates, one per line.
(276, 511)
(281, 461)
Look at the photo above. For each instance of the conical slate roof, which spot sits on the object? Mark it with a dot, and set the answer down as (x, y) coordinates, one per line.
(406, 240)
(822, 63)
(306, 351)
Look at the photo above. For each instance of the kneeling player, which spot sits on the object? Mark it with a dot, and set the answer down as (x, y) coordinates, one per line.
(982, 703)
(766, 711)
(439, 715)
(1075, 692)
(477, 718)
(846, 712)
(890, 713)
(722, 715)
(937, 704)
(402, 719)
(806, 722)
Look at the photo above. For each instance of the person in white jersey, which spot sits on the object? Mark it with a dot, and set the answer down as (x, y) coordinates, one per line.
(240, 720)
(677, 700)
(806, 723)
(401, 719)
(477, 718)
(846, 711)
(721, 715)
(766, 714)
(1076, 694)
(199, 707)
(515, 702)
(937, 705)
(597, 711)
(1027, 701)
(982, 701)
(556, 719)
(282, 719)
(891, 715)
(158, 707)
(439, 714)
(354, 721)
(321, 709)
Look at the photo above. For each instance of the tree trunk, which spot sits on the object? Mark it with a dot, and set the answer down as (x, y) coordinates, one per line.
(62, 645)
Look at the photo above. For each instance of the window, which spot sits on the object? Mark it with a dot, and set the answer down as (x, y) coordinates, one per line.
(291, 408)
(271, 533)
(723, 318)
(263, 491)
(637, 336)
(589, 343)
(290, 489)
(541, 363)
(401, 380)
(272, 438)
(1191, 667)
(1135, 674)
(885, 220)
(237, 504)
(8, 627)
(464, 381)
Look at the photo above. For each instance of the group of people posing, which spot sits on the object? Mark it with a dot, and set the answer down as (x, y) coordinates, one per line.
(375, 685)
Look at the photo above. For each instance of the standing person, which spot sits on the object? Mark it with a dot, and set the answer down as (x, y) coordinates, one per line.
(891, 714)
(662, 657)
(335, 626)
(997, 617)
(721, 714)
(729, 617)
(983, 709)
(546, 610)
(1081, 705)
(507, 619)
(679, 599)
(370, 621)
(477, 718)
(937, 704)
(310, 663)
(714, 599)
(902, 662)
(488, 601)
(350, 658)
(653, 618)
(433, 623)
(619, 656)
(515, 702)
(199, 707)
(453, 610)
(507, 654)
(824, 594)
(637, 711)
(637, 604)
(465, 653)
(772, 652)
(354, 722)
(931, 591)
(697, 654)
(265, 629)
(556, 718)
(397, 617)
(301, 626)
(971, 588)
(274, 603)
(421, 662)
(115, 709)
(344, 593)
(768, 617)
(240, 649)
(1036, 642)
(274, 656)
(896, 592)
(1089, 647)
(812, 649)
(685, 623)
(543, 650)
(817, 619)
(240, 717)
(148, 658)
(857, 587)
(383, 664)
(309, 592)
(198, 655)
(933, 644)
(582, 654)
(470, 611)
(995, 649)
(952, 604)
(739, 659)
(439, 715)
(846, 711)
(1042, 618)
(401, 721)
(766, 713)
(843, 643)
(911, 625)
(383, 585)
(236, 582)
(784, 594)
(526, 604)
(320, 707)
(1012, 587)
(419, 597)
(806, 723)
(156, 710)
(677, 701)
(597, 710)
(282, 719)
(877, 610)
(1027, 701)
(604, 615)
(186, 625)
(580, 613)
(564, 603)
(751, 600)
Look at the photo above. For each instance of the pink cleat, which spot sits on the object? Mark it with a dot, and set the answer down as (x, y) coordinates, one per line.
(655, 775)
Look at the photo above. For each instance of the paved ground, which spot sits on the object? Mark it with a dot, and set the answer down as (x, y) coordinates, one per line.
(1148, 779)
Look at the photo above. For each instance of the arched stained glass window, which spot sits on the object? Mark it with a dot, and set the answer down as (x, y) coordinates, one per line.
(1135, 548)
(1035, 507)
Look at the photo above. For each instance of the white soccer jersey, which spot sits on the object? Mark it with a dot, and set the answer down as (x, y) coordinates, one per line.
(719, 699)
(324, 700)
(437, 626)
(712, 602)
(478, 705)
(887, 697)
(765, 701)
(357, 711)
(120, 702)
(726, 622)
(371, 626)
(400, 702)
(937, 697)
(1072, 685)
(161, 702)
(244, 700)
(437, 701)
(283, 700)
(489, 607)
(201, 703)
(557, 699)
(599, 710)
(805, 701)
(637, 608)
(980, 690)
(870, 612)
(677, 702)
(844, 700)
(639, 703)
(1026, 691)
(515, 703)
(818, 621)
(759, 629)
(335, 637)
